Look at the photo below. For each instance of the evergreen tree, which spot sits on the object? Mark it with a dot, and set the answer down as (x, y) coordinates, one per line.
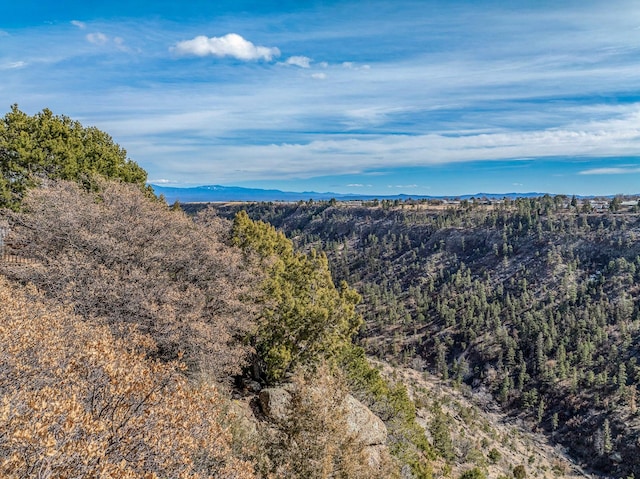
(46, 146)
(304, 316)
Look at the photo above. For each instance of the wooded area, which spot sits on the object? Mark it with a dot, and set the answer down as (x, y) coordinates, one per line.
(45, 146)
(534, 299)
(140, 341)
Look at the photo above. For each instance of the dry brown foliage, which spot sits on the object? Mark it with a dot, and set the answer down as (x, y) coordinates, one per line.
(314, 441)
(120, 257)
(76, 402)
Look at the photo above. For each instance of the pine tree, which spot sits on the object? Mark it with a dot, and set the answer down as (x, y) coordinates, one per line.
(607, 444)
(46, 146)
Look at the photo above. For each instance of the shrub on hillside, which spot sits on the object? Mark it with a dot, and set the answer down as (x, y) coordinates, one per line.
(125, 259)
(47, 146)
(76, 402)
(304, 317)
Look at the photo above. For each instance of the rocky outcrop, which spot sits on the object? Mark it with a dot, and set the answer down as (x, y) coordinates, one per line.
(365, 425)
(274, 403)
(368, 427)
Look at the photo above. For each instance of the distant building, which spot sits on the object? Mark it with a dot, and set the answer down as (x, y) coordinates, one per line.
(599, 205)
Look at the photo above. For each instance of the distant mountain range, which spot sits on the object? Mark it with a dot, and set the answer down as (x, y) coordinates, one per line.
(217, 193)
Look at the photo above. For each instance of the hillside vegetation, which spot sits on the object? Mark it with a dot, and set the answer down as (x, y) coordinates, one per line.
(137, 341)
(129, 320)
(218, 314)
(77, 402)
(46, 146)
(534, 300)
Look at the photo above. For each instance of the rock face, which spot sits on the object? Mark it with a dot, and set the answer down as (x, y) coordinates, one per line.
(274, 403)
(366, 426)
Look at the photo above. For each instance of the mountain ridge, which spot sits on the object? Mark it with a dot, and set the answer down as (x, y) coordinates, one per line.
(219, 193)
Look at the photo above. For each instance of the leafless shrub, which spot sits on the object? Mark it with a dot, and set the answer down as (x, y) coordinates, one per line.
(120, 257)
(76, 402)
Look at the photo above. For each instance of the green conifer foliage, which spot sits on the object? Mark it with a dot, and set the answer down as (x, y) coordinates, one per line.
(305, 318)
(47, 146)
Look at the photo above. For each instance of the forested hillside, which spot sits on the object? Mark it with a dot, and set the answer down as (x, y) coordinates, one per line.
(127, 328)
(535, 300)
(138, 341)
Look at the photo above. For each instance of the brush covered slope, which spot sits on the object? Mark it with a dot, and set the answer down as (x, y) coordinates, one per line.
(124, 326)
(78, 402)
(128, 265)
(534, 300)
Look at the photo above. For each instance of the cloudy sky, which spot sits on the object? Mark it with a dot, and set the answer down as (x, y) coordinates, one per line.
(382, 97)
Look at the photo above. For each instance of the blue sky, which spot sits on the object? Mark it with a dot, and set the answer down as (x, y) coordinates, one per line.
(417, 97)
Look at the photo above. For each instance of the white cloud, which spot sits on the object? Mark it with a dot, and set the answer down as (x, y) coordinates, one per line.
(358, 154)
(371, 115)
(353, 66)
(355, 185)
(120, 44)
(299, 61)
(190, 127)
(97, 38)
(230, 45)
(79, 24)
(490, 98)
(13, 65)
(610, 171)
(160, 181)
(402, 186)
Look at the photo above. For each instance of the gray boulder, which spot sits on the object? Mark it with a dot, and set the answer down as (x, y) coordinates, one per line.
(366, 426)
(274, 403)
